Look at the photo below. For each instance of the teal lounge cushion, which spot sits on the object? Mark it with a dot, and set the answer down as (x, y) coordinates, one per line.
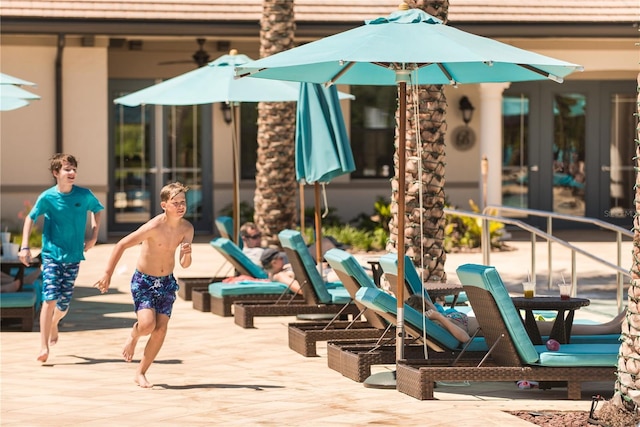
(219, 289)
(378, 300)
(293, 240)
(231, 250)
(596, 339)
(17, 299)
(339, 296)
(579, 355)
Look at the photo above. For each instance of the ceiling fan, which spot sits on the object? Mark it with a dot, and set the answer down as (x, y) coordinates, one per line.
(200, 56)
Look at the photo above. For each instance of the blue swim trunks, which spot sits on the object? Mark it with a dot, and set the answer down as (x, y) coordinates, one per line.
(156, 293)
(58, 279)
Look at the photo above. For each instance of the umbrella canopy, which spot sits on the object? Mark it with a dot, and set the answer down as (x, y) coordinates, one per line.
(12, 96)
(6, 79)
(407, 47)
(322, 150)
(407, 42)
(215, 82)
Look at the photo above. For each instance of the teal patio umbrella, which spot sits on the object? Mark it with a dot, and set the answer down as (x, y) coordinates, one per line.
(407, 47)
(322, 150)
(12, 96)
(216, 82)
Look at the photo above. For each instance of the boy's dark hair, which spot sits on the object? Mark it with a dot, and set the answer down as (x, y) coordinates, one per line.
(59, 159)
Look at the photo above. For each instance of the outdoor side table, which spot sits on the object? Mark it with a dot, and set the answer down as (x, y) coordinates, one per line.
(376, 270)
(440, 289)
(561, 329)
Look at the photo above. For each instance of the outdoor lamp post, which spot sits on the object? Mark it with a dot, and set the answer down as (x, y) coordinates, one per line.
(467, 109)
(226, 112)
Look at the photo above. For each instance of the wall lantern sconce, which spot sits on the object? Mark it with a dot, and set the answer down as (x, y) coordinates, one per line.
(467, 109)
(226, 112)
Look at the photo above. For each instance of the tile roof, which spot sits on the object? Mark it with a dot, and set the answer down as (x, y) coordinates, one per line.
(330, 11)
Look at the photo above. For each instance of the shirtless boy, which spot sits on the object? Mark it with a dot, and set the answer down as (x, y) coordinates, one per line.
(153, 286)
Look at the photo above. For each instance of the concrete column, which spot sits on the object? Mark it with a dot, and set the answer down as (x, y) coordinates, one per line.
(491, 142)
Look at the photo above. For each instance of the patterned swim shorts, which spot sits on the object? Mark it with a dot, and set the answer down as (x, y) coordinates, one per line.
(58, 279)
(156, 293)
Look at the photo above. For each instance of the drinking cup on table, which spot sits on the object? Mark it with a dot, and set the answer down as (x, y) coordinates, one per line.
(6, 240)
(12, 250)
(565, 290)
(529, 289)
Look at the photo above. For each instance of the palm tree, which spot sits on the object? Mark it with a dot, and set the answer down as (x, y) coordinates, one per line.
(275, 195)
(424, 225)
(624, 407)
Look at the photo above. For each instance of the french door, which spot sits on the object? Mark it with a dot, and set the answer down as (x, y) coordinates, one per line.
(569, 148)
(151, 146)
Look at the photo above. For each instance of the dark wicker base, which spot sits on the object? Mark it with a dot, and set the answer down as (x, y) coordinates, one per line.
(244, 312)
(188, 283)
(417, 377)
(25, 314)
(354, 359)
(304, 336)
(223, 306)
(201, 299)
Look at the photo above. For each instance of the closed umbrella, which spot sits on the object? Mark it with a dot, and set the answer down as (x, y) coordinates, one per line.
(322, 150)
(12, 96)
(407, 47)
(215, 82)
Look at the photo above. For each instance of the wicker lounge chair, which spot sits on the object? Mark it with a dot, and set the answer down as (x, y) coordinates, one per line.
(319, 298)
(221, 296)
(303, 336)
(354, 360)
(224, 224)
(517, 358)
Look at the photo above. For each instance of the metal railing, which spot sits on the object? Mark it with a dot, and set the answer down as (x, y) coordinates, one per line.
(485, 242)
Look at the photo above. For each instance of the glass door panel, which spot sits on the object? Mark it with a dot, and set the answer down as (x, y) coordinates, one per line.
(569, 154)
(515, 165)
(183, 155)
(622, 151)
(132, 161)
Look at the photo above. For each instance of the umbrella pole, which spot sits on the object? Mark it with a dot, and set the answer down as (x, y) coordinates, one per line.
(400, 199)
(236, 178)
(302, 218)
(316, 194)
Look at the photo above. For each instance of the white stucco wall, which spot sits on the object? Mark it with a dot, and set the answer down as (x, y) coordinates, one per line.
(28, 135)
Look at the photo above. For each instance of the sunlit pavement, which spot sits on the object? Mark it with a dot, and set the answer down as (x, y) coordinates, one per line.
(212, 372)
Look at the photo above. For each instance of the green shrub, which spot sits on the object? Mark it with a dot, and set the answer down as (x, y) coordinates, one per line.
(465, 232)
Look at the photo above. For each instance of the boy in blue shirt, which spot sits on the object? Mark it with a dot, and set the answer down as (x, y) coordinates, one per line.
(64, 207)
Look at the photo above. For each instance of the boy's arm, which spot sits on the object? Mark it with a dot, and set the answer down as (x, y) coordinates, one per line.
(125, 243)
(185, 248)
(95, 228)
(25, 253)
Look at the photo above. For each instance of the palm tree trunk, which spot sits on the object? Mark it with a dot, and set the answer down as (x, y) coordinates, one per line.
(275, 194)
(424, 194)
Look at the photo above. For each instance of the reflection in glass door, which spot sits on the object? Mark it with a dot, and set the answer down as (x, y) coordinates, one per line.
(182, 155)
(515, 166)
(151, 146)
(132, 158)
(622, 151)
(568, 163)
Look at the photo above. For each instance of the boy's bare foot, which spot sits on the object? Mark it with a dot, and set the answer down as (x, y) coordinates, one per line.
(43, 356)
(129, 349)
(53, 336)
(141, 380)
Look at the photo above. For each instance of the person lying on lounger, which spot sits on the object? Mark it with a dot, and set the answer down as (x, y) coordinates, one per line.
(273, 261)
(460, 325)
